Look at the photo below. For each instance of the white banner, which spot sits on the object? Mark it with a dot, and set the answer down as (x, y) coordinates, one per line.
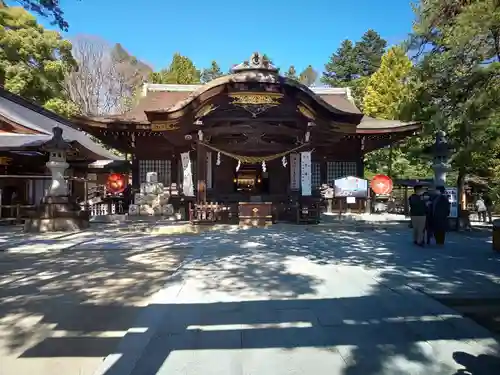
(305, 172)
(453, 199)
(187, 181)
(294, 171)
(209, 170)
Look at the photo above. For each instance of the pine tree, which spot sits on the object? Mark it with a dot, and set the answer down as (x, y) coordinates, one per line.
(291, 73)
(342, 68)
(211, 73)
(369, 51)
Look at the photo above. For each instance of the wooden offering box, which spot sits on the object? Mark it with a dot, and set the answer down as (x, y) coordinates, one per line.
(256, 214)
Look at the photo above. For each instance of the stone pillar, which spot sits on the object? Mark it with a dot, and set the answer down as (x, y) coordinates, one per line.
(440, 155)
(201, 170)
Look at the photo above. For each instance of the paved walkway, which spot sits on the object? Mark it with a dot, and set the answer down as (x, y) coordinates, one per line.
(287, 300)
(62, 312)
(298, 300)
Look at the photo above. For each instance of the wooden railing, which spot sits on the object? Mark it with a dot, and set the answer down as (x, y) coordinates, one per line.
(16, 213)
(209, 213)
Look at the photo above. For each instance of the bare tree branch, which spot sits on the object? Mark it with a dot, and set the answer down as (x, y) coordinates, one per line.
(106, 79)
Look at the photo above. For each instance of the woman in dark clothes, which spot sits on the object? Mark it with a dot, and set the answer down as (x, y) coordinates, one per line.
(440, 213)
(428, 221)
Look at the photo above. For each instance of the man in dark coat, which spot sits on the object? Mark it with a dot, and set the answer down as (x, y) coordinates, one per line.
(428, 221)
(440, 213)
(418, 214)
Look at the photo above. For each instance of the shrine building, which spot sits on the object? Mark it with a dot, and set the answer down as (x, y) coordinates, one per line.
(248, 136)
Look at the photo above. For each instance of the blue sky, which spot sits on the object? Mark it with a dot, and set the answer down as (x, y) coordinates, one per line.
(291, 32)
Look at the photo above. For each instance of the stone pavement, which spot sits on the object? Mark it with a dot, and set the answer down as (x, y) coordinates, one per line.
(289, 299)
(64, 311)
(313, 300)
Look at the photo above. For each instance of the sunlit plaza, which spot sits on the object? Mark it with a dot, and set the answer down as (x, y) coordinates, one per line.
(325, 299)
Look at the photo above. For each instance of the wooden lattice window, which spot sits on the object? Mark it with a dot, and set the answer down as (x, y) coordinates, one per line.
(315, 175)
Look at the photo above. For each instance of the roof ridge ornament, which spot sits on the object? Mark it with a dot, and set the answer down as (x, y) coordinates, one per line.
(257, 61)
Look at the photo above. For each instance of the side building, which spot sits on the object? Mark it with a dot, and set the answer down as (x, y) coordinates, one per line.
(24, 177)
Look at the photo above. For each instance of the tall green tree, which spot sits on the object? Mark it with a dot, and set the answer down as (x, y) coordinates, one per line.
(387, 90)
(291, 73)
(211, 73)
(343, 67)
(34, 61)
(369, 51)
(458, 77)
(180, 71)
(353, 64)
(308, 76)
(388, 87)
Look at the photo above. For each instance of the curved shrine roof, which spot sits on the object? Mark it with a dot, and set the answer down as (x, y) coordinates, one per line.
(174, 101)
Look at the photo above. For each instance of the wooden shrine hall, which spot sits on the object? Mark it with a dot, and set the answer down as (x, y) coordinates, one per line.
(252, 136)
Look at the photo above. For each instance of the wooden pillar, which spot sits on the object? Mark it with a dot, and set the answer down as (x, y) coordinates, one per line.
(201, 173)
(174, 169)
(136, 182)
(323, 171)
(360, 163)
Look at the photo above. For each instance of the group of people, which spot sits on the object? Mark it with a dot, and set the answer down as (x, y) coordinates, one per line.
(429, 213)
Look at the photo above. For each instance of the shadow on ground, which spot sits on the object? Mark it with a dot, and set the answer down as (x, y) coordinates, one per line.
(285, 265)
(81, 295)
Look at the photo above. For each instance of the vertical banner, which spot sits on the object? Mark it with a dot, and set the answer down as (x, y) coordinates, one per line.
(187, 181)
(294, 171)
(453, 199)
(305, 172)
(209, 170)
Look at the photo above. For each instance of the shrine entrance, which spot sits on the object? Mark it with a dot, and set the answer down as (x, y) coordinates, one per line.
(251, 180)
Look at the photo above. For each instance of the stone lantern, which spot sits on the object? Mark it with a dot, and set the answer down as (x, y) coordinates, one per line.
(440, 154)
(57, 211)
(57, 149)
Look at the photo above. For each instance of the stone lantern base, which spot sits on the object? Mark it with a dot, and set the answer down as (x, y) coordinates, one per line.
(57, 214)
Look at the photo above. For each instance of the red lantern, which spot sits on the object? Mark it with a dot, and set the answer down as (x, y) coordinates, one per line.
(116, 183)
(381, 184)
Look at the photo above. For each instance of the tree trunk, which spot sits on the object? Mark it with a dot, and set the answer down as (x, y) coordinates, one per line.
(389, 170)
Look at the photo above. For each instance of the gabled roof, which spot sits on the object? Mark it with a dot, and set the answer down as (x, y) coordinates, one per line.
(162, 97)
(32, 116)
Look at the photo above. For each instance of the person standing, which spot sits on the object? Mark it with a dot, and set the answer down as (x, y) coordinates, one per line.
(428, 220)
(481, 209)
(489, 206)
(440, 213)
(418, 215)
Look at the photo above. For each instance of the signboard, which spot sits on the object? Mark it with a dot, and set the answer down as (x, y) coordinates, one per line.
(453, 198)
(351, 187)
(351, 199)
(381, 184)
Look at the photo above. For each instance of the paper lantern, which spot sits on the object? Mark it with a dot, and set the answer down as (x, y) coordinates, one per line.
(381, 184)
(116, 183)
